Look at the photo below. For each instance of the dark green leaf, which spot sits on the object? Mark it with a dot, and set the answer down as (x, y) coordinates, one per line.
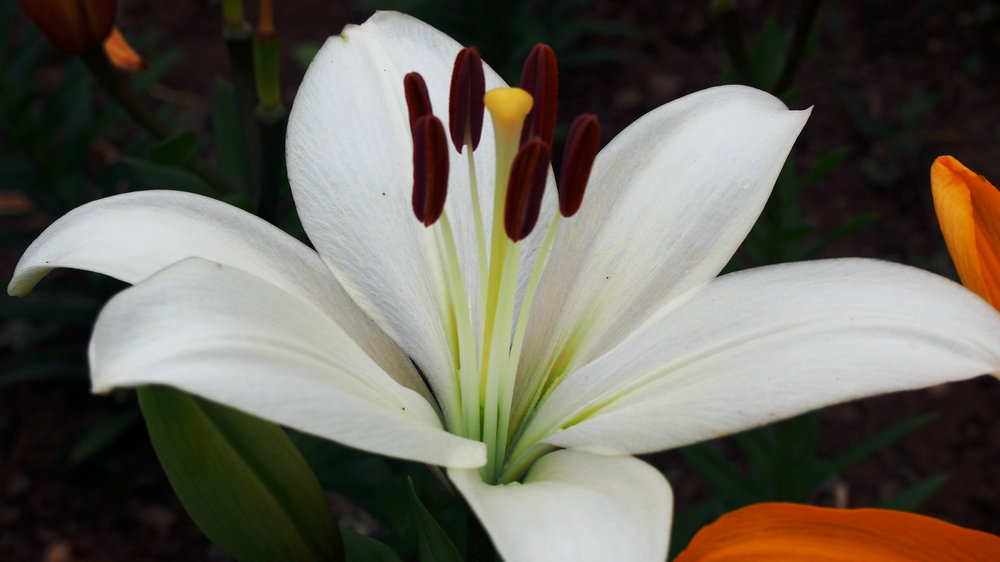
(366, 549)
(434, 543)
(915, 496)
(103, 433)
(178, 149)
(240, 478)
(227, 136)
(877, 442)
(719, 474)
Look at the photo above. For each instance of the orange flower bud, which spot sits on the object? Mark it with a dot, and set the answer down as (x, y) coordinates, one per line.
(74, 26)
(968, 209)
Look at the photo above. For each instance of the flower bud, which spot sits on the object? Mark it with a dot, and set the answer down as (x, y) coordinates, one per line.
(74, 26)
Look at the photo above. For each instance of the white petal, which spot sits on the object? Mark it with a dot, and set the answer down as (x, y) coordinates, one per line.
(230, 337)
(350, 165)
(134, 235)
(575, 506)
(764, 344)
(669, 201)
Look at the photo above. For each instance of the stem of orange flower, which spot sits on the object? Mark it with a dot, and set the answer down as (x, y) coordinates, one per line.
(115, 84)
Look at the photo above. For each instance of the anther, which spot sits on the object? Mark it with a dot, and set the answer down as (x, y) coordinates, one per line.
(582, 143)
(430, 169)
(465, 102)
(525, 187)
(540, 78)
(418, 101)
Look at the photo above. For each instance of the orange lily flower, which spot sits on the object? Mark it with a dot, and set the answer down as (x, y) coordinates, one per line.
(793, 532)
(968, 209)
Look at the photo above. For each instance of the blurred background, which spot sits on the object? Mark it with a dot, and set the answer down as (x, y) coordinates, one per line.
(892, 84)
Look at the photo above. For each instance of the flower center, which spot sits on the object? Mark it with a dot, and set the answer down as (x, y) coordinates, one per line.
(486, 356)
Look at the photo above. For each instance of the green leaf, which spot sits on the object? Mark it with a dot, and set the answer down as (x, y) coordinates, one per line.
(877, 442)
(158, 176)
(227, 136)
(103, 433)
(719, 475)
(367, 549)
(915, 496)
(240, 478)
(690, 521)
(178, 149)
(434, 543)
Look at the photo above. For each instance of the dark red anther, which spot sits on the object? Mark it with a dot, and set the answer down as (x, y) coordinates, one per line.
(430, 169)
(578, 157)
(540, 78)
(525, 187)
(418, 101)
(465, 102)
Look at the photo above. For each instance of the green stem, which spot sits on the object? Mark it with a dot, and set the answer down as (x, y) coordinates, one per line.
(271, 127)
(803, 25)
(239, 46)
(113, 82)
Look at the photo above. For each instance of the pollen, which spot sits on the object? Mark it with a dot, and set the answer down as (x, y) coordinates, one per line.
(508, 106)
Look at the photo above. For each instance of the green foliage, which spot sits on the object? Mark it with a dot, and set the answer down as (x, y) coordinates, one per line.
(367, 549)
(782, 463)
(433, 541)
(240, 478)
(382, 487)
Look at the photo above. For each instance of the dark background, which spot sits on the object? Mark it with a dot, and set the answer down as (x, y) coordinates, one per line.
(898, 82)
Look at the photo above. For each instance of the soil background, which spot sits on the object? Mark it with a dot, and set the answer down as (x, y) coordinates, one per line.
(924, 72)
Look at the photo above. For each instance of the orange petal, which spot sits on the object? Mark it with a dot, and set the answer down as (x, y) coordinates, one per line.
(793, 532)
(121, 53)
(968, 209)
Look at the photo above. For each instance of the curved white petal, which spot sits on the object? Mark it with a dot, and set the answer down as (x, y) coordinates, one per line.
(669, 201)
(764, 344)
(134, 235)
(350, 165)
(230, 337)
(575, 506)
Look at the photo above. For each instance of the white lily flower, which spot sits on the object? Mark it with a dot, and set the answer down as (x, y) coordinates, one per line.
(611, 334)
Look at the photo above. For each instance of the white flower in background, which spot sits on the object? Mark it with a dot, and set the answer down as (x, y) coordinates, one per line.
(532, 369)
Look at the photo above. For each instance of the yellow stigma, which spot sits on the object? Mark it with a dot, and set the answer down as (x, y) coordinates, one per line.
(508, 106)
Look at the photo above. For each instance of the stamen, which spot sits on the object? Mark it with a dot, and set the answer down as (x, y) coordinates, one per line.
(578, 158)
(465, 102)
(418, 101)
(430, 169)
(540, 78)
(525, 188)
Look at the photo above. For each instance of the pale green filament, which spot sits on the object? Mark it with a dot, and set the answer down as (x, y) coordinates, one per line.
(467, 360)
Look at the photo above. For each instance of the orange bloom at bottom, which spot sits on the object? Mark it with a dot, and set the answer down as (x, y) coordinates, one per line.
(792, 532)
(968, 209)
